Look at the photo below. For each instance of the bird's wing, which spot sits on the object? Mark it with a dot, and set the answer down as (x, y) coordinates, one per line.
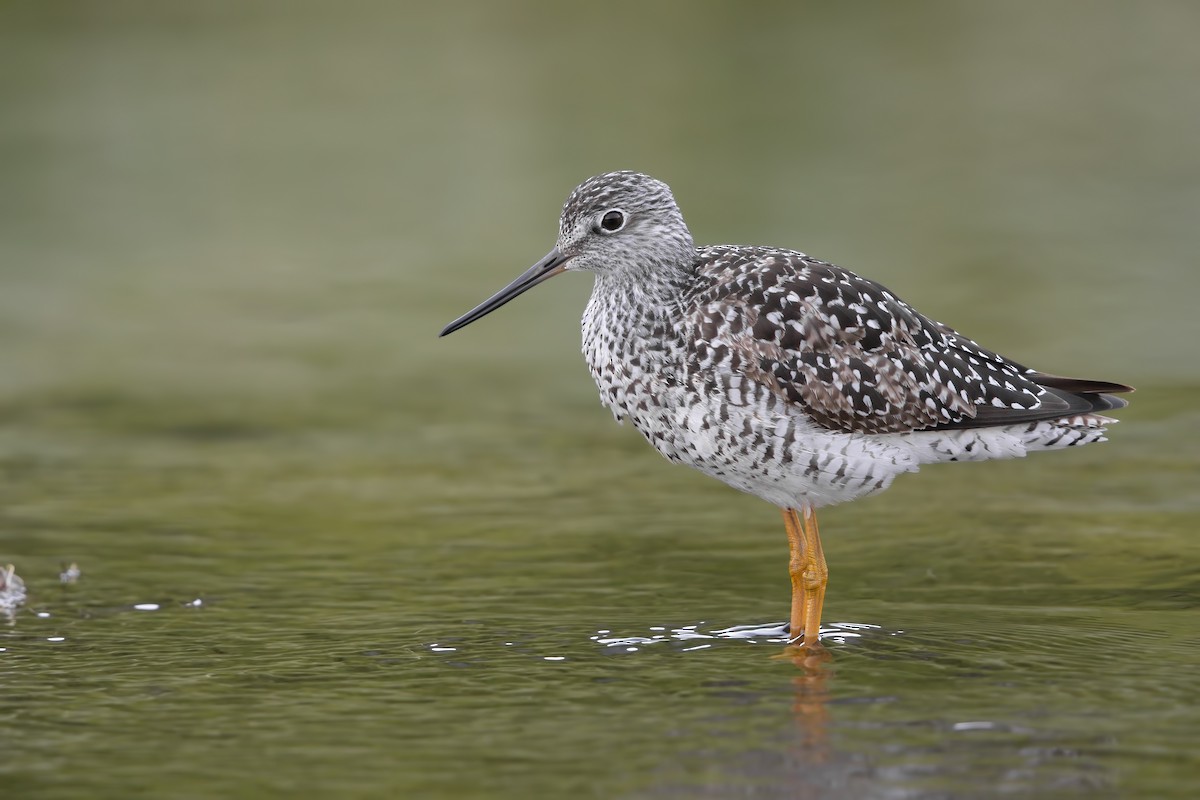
(854, 356)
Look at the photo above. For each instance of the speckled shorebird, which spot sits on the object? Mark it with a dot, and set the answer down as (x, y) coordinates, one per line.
(784, 376)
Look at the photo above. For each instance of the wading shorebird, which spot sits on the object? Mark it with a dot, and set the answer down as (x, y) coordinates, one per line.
(785, 376)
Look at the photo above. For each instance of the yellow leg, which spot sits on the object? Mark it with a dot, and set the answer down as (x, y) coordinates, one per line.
(791, 521)
(809, 574)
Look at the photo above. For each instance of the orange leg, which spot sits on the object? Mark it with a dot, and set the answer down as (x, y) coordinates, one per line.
(809, 574)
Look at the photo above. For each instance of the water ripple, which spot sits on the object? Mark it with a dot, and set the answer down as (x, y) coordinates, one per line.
(681, 639)
(689, 637)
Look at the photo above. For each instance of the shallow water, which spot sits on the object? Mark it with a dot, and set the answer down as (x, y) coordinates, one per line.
(322, 551)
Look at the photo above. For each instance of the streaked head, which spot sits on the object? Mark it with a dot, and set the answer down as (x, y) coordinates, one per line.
(618, 223)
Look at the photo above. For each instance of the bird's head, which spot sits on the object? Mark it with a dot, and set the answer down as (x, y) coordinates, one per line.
(619, 224)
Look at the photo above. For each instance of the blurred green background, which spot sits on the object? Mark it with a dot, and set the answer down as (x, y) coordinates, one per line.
(229, 234)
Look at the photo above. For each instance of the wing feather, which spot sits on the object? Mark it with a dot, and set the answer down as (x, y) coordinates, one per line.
(858, 359)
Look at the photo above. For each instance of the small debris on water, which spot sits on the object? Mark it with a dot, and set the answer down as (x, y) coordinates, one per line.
(70, 573)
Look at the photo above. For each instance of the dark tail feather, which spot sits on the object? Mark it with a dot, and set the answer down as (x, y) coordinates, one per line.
(1098, 393)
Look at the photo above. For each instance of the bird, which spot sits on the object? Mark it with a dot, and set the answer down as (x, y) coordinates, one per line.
(785, 376)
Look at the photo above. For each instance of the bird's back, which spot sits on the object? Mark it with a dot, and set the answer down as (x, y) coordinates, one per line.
(857, 358)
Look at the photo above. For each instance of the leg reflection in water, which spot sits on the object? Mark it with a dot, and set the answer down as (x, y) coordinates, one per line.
(810, 700)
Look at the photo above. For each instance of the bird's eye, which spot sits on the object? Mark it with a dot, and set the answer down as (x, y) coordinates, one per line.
(612, 221)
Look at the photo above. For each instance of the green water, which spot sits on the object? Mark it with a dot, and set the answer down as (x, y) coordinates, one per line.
(323, 551)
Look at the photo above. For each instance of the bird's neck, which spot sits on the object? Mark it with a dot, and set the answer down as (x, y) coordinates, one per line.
(629, 329)
(652, 291)
(637, 306)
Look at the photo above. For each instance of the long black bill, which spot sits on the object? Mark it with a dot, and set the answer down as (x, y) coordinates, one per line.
(554, 263)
